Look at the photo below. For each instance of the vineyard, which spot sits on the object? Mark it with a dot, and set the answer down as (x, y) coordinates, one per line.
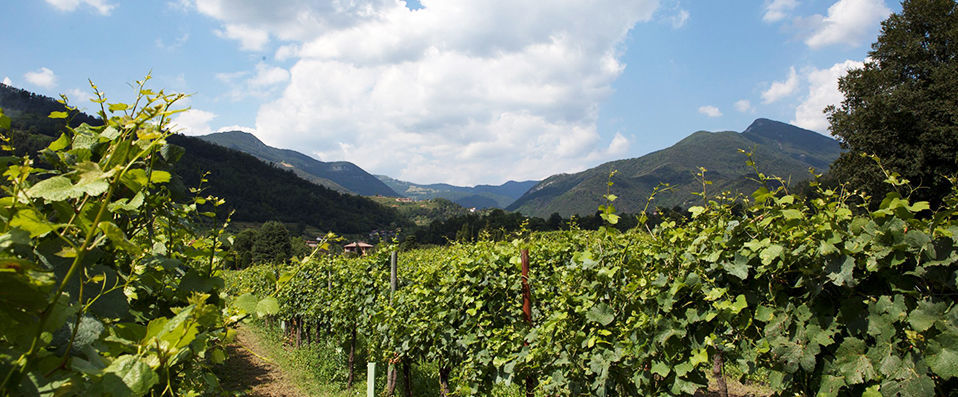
(820, 295)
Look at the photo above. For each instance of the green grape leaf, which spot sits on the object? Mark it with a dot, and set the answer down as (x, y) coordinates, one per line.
(660, 368)
(942, 355)
(600, 313)
(58, 115)
(117, 237)
(852, 362)
(93, 180)
(267, 306)
(696, 211)
(790, 214)
(57, 188)
(830, 385)
(110, 133)
(842, 272)
(246, 303)
(924, 316)
(61, 143)
(135, 377)
(28, 219)
(159, 177)
(770, 253)
(738, 267)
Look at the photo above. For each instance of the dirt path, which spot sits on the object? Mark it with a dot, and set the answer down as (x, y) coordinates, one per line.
(244, 372)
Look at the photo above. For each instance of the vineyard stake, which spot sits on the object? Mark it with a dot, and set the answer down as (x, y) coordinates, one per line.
(370, 379)
(391, 372)
(527, 312)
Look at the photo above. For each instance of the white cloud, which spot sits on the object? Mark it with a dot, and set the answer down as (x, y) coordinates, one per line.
(781, 89)
(79, 98)
(680, 19)
(101, 6)
(744, 106)
(193, 122)
(262, 82)
(7, 81)
(42, 77)
(822, 91)
(449, 92)
(268, 75)
(251, 39)
(777, 10)
(710, 111)
(848, 22)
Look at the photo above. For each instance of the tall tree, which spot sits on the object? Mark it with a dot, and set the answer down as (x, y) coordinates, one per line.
(272, 244)
(903, 105)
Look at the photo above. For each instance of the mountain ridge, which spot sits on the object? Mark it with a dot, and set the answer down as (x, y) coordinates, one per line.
(777, 148)
(479, 196)
(342, 176)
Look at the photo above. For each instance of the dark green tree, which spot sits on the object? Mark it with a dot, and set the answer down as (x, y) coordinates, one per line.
(242, 250)
(272, 244)
(903, 105)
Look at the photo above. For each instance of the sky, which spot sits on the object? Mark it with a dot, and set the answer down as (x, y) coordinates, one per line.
(457, 91)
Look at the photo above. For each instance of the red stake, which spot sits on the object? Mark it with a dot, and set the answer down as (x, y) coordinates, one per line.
(526, 294)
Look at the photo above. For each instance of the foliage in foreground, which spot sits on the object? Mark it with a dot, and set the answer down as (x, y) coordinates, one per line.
(108, 286)
(823, 294)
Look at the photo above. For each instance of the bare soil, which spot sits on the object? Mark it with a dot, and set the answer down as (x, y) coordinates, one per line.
(244, 373)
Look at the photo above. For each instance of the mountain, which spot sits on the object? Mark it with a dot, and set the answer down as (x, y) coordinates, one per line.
(342, 176)
(480, 196)
(258, 191)
(779, 149)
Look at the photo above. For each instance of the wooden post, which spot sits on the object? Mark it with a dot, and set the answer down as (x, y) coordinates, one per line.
(299, 331)
(407, 380)
(717, 373)
(391, 372)
(527, 313)
(352, 355)
(443, 380)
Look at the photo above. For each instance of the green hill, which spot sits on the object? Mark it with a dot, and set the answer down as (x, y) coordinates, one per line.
(779, 149)
(480, 196)
(342, 176)
(258, 191)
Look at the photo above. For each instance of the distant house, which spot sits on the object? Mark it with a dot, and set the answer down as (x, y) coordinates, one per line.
(404, 199)
(358, 247)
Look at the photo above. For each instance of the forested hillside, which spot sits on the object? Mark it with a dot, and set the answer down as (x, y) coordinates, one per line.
(778, 149)
(257, 191)
(342, 176)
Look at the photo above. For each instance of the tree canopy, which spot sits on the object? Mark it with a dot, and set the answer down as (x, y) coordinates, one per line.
(903, 105)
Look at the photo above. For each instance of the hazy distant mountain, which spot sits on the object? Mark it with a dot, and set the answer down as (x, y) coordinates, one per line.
(342, 176)
(480, 196)
(780, 149)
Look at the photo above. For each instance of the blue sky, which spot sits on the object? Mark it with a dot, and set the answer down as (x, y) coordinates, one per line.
(453, 91)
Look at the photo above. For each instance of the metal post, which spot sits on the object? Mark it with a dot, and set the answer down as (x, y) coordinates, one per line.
(392, 275)
(370, 379)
